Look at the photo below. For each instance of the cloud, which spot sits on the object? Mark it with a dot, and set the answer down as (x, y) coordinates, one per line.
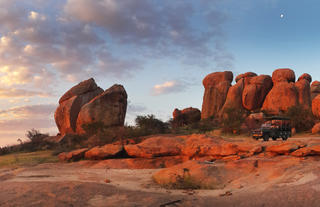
(21, 93)
(168, 87)
(155, 28)
(135, 108)
(29, 112)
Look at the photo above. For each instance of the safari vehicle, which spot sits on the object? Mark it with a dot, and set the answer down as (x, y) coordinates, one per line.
(274, 127)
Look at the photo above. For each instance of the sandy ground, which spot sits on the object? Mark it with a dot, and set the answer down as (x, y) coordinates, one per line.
(83, 184)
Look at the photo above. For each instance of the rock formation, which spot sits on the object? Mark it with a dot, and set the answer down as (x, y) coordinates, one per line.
(316, 106)
(71, 102)
(303, 88)
(284, 94)
(315, 89)
(274, 95)
(186, 116)
(216, 88)
(87, 97)
(255, 92)
(109, 108)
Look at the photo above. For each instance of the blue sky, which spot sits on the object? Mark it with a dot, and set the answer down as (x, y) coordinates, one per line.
(159, 50)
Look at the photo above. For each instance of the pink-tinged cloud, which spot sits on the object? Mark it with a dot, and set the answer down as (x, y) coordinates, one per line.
(168, 87)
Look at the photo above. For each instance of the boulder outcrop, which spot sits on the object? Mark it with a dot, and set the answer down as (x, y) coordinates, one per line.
(315, 89)
(108, 108)
(71, 102)
(283, 75)
(106, 151)
(234, 100)
(216, 88)
(186, 116)
(303, 88)
(282, 96)
(75, 103)
(316, 106)
(255, 92)
(316, 129)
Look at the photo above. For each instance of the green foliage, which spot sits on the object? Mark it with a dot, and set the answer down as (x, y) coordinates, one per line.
(201, 126)
(301, 118)
(232, 120)
(149, 124)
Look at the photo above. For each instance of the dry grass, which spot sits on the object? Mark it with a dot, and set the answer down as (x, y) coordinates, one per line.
(27, 159)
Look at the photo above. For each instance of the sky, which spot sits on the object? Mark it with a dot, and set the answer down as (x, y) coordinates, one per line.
(158, 50)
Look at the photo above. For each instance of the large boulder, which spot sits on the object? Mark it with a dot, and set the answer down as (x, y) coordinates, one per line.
(108, 108)
(246, 76)
(315, 89)
(316, 129)
(255, 92)
(74, 155)
(316, 106)
(283, 74)
(282, 96)
(71, 102)
(156, 147)
(186, 116)
(234, 100)
(303, 88)
(106, 151)
(216, 88)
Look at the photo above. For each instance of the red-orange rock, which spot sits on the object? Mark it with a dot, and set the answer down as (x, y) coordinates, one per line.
(216, 88)
(186, 116)
(81, 88)
(247, 76)
(304, 95)
(155, 147)
(203, 174)
(140, 163)
(282, 96)
(234, 100)
(316, 129)
(316, 106)
(305, 76)
(67, 113)
(254, 121)
(106, 151)
(283, 74)
(315, 89)
(108, 108)
(255, 92)
(307, 151)
(73, 155)
(284, 148)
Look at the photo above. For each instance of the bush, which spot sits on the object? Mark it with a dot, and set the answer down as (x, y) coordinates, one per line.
(301, 118)
(232, 120)
(201, 126)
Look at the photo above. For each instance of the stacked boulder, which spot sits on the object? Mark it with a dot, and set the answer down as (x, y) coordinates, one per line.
(87, 103)
(216, 89)
(254, 93)
(186, 116)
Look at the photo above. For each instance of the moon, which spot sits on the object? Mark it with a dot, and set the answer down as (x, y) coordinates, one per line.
(281, 16)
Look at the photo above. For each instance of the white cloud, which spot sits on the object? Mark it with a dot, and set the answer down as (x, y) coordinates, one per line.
(168, 87)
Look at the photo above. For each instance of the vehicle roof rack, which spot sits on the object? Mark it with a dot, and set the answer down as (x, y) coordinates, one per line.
(277, 118)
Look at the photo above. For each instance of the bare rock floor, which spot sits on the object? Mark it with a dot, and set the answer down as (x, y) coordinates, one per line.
(83, 184)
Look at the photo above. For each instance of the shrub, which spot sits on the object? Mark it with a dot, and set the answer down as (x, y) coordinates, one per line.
(232, 120)
(301, 117)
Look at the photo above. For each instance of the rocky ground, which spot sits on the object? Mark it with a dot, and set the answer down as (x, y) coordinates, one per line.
(262, 179)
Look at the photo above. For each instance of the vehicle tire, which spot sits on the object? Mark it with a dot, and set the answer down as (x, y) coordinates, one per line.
(285, 137)
(265, 137)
